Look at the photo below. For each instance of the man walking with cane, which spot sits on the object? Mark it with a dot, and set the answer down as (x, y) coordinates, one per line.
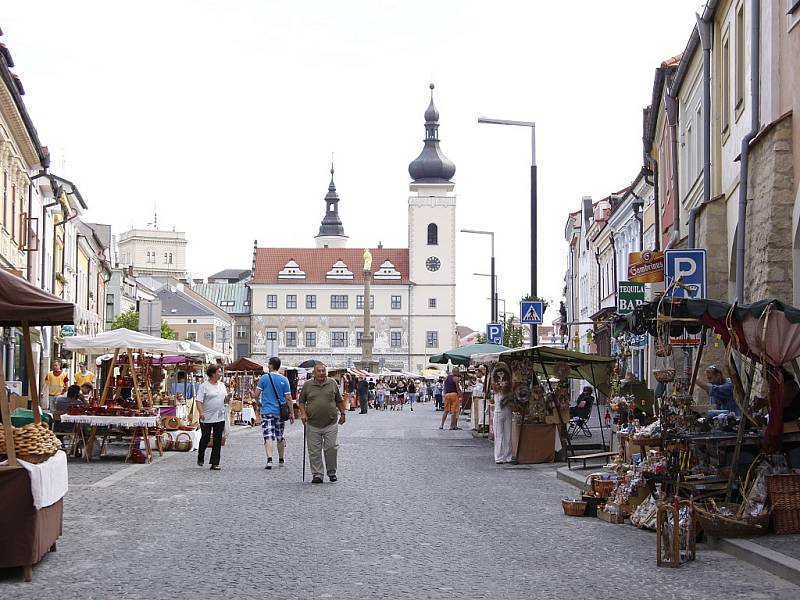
(319, 403)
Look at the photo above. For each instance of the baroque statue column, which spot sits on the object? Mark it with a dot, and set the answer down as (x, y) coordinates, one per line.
(367, 362)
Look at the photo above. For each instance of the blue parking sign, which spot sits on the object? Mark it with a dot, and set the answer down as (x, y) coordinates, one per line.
(494, 333)
(689, 268)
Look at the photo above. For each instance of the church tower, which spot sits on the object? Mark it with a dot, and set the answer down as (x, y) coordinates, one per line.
(431, 245)
(331, 231)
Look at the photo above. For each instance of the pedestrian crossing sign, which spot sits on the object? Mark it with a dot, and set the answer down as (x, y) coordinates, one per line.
(531, 312)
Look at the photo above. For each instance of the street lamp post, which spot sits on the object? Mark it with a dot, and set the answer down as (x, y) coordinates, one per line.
(534, 200)
(492, 275)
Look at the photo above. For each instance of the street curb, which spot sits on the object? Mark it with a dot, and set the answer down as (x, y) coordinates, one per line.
(783, 566)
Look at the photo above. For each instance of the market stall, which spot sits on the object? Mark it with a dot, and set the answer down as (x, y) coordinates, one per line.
(241, 377)
(540, 389)
(725, 465)
(127, 400)
(33, 477)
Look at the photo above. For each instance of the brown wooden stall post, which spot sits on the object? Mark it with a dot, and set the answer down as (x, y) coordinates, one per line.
(737, 449)
(33, 389)
(135, 379)
(109, 377)
(8, 430)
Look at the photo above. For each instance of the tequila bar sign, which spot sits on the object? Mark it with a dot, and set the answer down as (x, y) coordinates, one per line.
(631, 295)
(646, 267)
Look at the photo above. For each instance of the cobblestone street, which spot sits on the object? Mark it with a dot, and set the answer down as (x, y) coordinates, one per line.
(417, 513)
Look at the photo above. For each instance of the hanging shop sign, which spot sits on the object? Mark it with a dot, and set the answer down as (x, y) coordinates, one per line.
(630, 295)
(646, 267)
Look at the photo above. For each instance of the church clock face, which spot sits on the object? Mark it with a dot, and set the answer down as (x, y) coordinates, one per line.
(433, 263)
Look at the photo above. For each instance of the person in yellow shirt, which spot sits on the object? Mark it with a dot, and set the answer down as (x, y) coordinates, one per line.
(84, 375)
(56, 381)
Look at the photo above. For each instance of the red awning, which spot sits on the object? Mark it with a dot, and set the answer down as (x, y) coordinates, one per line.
(21, 302)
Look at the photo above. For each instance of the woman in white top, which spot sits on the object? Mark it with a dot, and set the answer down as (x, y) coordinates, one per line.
(211, 398)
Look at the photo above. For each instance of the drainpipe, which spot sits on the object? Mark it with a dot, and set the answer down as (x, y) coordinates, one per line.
(704, 30)
(744, 162)
(599, 292)
(671, 103)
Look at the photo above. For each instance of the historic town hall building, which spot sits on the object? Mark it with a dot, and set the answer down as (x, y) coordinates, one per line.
(307, 303)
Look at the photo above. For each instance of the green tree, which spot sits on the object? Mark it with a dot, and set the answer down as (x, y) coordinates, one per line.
(481, 338)
(130, 320)
(167, 332)
(513, 335)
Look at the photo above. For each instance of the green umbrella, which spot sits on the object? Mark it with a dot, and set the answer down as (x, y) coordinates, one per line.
(461, 356)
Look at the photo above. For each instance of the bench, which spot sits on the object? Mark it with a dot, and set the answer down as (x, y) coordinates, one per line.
(585, 457)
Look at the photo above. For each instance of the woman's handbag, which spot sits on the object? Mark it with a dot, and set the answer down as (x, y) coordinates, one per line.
(282, 408)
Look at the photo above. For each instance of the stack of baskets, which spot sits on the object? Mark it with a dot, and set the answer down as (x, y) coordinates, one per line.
(784, 498)
(33, 443)
(601, 487)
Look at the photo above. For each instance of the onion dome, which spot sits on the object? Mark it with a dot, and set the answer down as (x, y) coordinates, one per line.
(431, 166)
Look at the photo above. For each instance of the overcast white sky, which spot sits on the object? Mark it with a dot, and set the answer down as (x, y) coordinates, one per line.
(224, 114)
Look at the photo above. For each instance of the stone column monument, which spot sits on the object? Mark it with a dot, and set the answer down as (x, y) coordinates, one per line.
(367, 362)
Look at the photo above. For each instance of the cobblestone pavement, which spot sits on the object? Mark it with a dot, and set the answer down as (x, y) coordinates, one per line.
(417, 513)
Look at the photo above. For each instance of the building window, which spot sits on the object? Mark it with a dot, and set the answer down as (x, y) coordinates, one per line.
(241, 331)
(151, 257)
(360, 302)
(14, 213)
(359, 339)
(396, 339)
(291, 301)
(311, 338)
(191, 336)
(433, 234)
(431, 339)
(726, 82)
(431, 302)
(339, 339)
(271, 336)
(291, 339)
(311, 301)
(272, 301)
(740, 56)
(339, 301)
(397, 303)
(5, 199)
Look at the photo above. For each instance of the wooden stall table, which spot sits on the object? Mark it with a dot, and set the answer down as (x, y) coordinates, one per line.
(536, 445)
(139, 425)
(31, 511)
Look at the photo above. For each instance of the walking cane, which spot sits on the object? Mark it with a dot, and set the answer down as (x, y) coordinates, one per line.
(304, 452)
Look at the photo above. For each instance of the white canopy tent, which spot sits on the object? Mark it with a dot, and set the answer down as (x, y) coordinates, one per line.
(198, 349)
(125, 339)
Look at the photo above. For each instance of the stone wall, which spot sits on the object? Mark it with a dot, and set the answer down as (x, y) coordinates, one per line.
(711, 231)
(768, 269)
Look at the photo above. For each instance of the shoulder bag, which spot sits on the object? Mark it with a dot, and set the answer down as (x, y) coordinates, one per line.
(283, 409)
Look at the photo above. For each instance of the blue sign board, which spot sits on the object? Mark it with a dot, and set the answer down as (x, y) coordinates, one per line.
(531, 312)
(688, 267)
(494, 333)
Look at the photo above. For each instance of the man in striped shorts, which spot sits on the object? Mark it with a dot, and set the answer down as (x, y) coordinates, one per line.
(274, 390)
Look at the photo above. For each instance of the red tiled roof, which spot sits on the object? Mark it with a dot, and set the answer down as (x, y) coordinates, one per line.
(672, 61)
(316, 262)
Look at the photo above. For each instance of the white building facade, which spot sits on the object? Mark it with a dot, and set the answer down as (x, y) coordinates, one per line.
(307, 303)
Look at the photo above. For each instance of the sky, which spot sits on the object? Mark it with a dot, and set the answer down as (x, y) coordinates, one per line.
(221, 116)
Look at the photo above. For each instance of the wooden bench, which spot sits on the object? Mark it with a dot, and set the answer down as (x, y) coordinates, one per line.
(585, 457)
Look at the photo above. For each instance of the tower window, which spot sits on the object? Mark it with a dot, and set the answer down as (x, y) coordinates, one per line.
(433, 234)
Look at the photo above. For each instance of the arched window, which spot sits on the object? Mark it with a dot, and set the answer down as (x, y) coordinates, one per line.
(433, 234)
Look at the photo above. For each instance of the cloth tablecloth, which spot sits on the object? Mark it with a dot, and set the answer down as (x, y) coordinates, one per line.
(248, 414)
(102, 421)
(49, 480)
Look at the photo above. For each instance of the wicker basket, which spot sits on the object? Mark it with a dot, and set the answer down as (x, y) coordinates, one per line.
(716, 525)
(784, 491)
(573, 508)
(664, 375)
(786, 521)
(601, 487)
(183, 442)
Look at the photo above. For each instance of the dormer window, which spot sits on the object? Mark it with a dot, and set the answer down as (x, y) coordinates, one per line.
(387, 271)
(291, 271)
(339, 270)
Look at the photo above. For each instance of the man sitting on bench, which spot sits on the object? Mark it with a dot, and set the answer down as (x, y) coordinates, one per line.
(583, 405)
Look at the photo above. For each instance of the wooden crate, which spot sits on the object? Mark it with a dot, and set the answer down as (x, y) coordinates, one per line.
(616, 519)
